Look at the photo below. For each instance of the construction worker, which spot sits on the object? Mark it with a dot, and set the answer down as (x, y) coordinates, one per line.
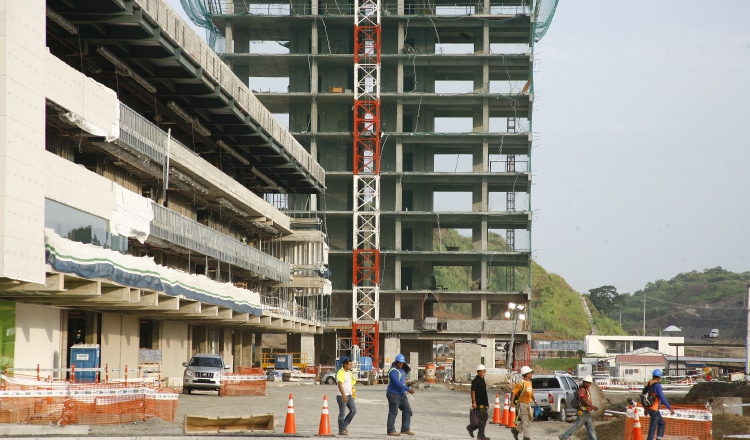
(522, 396)
(345, 395)
(657, 424)
(585, 406)
(479, 402)
(396, 394)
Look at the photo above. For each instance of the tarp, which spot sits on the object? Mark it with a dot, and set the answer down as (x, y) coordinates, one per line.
(89, 261)
(132, 215)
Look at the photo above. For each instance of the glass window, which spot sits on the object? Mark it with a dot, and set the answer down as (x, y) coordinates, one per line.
(80, 226)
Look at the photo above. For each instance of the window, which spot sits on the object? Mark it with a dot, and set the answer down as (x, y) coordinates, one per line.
(80, 226)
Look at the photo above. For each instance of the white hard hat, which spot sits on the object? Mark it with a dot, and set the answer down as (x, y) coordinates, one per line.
(481, 367)
(588, 378)
(526, 370)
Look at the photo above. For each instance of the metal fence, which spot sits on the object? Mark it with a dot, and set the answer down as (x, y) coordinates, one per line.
(142, 135)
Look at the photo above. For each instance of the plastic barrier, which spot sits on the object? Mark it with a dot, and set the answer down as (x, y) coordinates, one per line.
(26, 400)
(248, 382)
(689, 421)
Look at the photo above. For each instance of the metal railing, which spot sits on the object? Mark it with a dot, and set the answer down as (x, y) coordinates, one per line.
(176, 228)
(142, 135)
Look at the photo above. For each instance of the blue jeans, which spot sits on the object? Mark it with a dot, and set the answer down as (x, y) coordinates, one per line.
(398, 402)
(656, 421)
(345, 421)
(584, 418)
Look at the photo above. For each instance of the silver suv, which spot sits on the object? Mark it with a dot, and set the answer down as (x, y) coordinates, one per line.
(203, 372)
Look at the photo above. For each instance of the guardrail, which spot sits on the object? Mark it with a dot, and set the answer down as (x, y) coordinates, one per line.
(183, 231)
(142, 135)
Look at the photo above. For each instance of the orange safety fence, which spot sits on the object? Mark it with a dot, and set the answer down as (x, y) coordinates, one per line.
(692, 422)
(246, 382)
(23, 399)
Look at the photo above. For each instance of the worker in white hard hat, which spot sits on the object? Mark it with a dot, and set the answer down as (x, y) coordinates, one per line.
(479, 403)
(522, 396)
(585, 406)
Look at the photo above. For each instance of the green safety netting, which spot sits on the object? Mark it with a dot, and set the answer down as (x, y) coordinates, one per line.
(543, 14)
(200, 12)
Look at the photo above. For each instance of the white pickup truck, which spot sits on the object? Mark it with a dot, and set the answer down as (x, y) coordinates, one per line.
(554, 393)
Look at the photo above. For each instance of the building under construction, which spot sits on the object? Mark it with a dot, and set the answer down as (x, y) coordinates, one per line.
(454, 92)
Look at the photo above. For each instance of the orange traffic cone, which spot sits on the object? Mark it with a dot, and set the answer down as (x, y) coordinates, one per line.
(637, 433)
(512, 418)
(290, 427)
(506, 411)
(324, 430)
(496, 418)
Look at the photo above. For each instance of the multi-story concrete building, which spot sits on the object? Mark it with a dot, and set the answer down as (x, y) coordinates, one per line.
(134, 167)
(456, 110)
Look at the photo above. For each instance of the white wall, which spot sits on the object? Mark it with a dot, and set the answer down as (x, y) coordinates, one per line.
(594, 345)
(120, 343)
(174, 348)
(22, 128)
(37, 337)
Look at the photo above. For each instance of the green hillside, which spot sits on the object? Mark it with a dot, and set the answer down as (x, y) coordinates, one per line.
(556, 307)
(694, 301)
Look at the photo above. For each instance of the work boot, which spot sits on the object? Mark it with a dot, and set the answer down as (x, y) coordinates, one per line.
(514, 431)
(481, 437)
(343, 432)
(471, 433)
(394, 433)
(407, 432)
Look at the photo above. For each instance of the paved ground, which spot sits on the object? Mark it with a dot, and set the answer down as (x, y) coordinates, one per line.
(439, 413)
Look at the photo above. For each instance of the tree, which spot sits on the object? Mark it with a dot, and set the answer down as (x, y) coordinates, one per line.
(605, 298)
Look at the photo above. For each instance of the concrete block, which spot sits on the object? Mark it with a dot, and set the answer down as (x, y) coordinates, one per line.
(727, 405)
(43, 430)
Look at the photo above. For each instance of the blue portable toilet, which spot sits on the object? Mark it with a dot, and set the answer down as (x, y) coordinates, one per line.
(85, 356)
(283, 362)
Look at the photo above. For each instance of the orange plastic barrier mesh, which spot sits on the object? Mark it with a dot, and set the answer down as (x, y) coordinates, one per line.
(26, 400)
(247, 382)
(689, 422)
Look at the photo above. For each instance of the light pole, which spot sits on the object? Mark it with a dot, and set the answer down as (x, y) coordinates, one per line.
(514, 312)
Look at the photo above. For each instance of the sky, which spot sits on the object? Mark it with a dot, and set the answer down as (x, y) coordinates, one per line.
(641, 163)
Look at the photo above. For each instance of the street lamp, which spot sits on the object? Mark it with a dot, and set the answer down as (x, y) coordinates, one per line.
(514, 312)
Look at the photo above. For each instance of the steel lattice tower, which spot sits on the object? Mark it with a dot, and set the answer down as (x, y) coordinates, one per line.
(366, 184)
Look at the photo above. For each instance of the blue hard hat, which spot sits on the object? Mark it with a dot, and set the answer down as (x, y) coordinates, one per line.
(656, 373)
(344, 360)
(400, 358)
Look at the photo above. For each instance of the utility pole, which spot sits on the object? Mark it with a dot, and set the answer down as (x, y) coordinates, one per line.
(644, 313)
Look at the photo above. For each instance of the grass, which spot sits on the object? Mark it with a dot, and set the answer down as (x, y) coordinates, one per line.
(556, 364)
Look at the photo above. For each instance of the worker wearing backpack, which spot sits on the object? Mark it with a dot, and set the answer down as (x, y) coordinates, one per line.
(522, 396)
(584, 407)
(657, 424)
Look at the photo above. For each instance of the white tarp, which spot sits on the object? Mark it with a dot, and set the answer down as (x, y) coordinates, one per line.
(89, 261)
(132, 215)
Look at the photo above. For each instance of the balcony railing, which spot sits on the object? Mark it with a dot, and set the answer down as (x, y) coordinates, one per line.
(142, 135)
(175, 228)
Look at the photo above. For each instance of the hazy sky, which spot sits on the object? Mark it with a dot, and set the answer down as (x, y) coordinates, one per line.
(642, 163)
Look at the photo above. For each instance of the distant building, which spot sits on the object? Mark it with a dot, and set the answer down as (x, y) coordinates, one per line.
(600, 345)
(637, 368)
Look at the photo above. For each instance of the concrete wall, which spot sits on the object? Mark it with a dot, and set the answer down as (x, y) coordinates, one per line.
(37, 337)
(174, 348)
(120, 343)
(22, 131)
(466, 358)
(596, 344)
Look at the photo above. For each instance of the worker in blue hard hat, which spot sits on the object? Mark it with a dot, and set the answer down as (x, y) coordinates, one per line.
(396, 394)
(657, 424)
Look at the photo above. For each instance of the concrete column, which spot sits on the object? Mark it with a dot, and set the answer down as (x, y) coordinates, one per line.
(483, 303)
(485, 123)
(228, 38)
(483, 269)
(307, 345)
(258, 355)
(314, 7)
(23, 74)
(397, 301)
(486, 32)
(314, 38)
(485, 155)
(226, 349)
(485, 196)
(245, 349)
(486, 10)
(413, 363)
(391, 347)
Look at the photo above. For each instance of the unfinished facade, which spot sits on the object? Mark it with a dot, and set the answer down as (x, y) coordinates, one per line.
(457, 98)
